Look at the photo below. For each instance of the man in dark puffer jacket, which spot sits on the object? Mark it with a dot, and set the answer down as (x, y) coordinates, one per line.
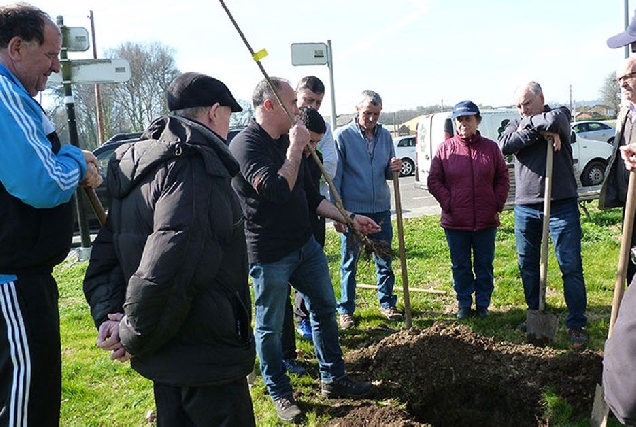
(168, 271)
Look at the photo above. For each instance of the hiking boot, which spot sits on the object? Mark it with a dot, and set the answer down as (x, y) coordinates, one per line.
(482, 311)
(391, 313)
(304, 329)
(294, 367)
(286, 408)
(578, 337)
(345, 387)
(464, 313)
(522, 327)
(347, 321)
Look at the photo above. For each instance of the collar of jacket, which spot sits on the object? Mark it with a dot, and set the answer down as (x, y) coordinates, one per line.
(471, 139)
(376, 129)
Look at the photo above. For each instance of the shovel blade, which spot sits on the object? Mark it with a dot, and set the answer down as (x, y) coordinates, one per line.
(541, 327)
(600, 410)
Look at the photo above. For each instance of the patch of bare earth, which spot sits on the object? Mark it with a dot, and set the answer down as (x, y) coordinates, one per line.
(447, 375)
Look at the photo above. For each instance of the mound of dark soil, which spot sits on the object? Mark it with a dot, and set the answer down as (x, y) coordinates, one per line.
(447, 375)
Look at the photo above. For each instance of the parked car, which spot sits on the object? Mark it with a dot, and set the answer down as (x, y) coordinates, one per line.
(405, 150)
(598, 131)
(103, 153)
(590, 156)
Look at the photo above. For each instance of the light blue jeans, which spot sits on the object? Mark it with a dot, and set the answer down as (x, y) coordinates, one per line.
(565, 230)
(350, 253)
(309, 270)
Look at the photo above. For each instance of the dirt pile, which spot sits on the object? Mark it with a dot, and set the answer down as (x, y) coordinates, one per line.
(447, 375)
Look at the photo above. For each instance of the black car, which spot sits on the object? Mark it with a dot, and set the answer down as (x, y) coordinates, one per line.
(103, 153)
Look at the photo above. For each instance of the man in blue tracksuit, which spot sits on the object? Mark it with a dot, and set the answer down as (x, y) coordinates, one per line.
(37, 179)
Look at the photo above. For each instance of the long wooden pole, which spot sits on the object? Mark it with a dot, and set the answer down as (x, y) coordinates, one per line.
(400, 226)
(600, 410)
(332, 188)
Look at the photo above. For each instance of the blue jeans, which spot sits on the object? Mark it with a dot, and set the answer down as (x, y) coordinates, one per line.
(308, 269)
(350, 253)
(465, 246)
(565, 230)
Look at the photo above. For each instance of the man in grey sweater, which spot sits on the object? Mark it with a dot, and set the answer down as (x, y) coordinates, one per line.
(528, 138)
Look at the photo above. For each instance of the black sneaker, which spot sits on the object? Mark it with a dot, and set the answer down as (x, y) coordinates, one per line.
(464, 313)
(347, 388)
(522, 327)
(286, 408)
(578, 337)
(482, 311)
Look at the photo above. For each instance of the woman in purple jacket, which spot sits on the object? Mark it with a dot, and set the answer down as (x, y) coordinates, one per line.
(469, 179)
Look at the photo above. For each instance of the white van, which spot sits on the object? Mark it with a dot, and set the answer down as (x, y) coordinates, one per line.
(590, 156)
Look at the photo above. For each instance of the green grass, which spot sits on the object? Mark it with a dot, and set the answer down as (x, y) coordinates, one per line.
(99, 392)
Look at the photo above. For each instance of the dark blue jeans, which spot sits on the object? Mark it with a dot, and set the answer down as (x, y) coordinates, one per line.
(308, 270)
(565, 230)
(469, 277)
(349, 266)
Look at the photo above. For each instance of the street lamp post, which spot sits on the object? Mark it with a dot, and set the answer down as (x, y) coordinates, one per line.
(316, 54)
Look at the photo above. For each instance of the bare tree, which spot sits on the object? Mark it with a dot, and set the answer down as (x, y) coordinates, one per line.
(611, 93)
(143, 97)
(127, 107)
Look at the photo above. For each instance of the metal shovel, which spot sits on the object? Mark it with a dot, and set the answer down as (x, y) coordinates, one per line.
(541, 326)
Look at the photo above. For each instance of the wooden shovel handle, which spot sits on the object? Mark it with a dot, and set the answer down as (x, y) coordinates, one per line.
(97, 206)
(623, 256)
(400, 227)
(547, 198)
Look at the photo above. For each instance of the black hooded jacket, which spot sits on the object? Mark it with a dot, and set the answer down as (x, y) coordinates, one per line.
(172, 257)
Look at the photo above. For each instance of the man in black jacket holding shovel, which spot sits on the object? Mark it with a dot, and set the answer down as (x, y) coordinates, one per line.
(528, 138)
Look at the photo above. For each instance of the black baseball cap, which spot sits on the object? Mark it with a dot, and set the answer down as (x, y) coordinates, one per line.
(198, 90)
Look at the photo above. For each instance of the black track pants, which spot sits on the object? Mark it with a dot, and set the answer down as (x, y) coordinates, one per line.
(30, 361)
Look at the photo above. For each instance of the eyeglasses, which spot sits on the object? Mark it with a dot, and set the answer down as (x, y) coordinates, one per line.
(631, 75)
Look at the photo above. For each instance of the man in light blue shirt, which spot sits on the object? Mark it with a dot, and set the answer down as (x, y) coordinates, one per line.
(366, 159)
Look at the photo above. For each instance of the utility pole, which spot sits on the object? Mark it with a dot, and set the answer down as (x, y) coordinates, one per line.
(334, 117)
(395, 127)
(572, 105)
(69, 102)
(98, 92)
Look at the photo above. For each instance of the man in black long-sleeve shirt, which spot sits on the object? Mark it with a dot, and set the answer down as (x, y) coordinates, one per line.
(277, 196)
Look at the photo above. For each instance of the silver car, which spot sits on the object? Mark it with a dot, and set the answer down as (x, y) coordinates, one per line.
(598, 131)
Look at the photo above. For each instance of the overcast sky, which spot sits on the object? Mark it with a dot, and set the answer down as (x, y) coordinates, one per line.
(413, 52)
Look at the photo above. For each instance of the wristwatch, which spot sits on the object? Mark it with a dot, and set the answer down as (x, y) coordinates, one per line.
(352, 215)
